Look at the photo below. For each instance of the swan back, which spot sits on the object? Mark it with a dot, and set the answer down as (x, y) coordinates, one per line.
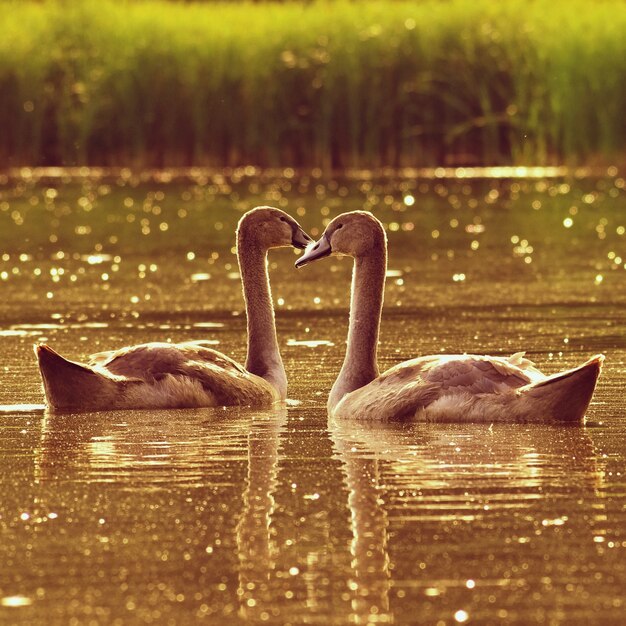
(472, 388)
(153, 375)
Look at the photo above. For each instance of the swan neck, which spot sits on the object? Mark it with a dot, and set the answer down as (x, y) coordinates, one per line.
(360, 364)
(263, 356)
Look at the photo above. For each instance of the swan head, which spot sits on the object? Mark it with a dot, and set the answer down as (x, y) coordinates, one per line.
(272, 228)
(355, 234)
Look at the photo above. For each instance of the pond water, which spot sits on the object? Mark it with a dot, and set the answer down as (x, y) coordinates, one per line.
(245, 516)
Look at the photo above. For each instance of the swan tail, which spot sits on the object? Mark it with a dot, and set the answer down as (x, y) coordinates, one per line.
(564, 396)
(69, 385)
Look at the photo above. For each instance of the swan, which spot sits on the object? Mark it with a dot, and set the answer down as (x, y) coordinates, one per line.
(454, 388)
(189, 374)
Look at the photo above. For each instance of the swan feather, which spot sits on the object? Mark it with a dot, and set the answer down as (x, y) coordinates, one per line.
(154, 375)
(460, 388)
(184, 374)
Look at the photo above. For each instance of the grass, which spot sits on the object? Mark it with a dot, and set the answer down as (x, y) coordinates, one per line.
(337, 84)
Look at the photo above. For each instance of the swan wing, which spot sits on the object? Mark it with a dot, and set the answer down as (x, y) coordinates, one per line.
(393, 395)
(102, 358)
(150, 360)
(228, 381)
(413, 385)
(478, 374)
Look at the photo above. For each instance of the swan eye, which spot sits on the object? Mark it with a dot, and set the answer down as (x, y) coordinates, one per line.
(283, 219)
(339, 226)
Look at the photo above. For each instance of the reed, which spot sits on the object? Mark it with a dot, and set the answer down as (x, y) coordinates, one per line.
(327, 84)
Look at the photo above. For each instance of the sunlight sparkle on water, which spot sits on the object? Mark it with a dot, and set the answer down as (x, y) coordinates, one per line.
(16, 601)
(309, 343)
(200, 277)
(287, 506)
(22, 408)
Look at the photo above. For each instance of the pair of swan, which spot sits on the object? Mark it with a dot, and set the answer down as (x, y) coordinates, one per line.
(435, 388)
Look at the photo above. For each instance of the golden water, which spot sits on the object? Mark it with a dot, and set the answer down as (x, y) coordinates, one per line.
(241, 516)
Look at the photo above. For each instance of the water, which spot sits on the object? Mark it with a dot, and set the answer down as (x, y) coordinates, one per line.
(236, 515)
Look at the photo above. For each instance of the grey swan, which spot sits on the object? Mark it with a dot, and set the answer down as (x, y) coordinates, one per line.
(444, 387)
(189, 374)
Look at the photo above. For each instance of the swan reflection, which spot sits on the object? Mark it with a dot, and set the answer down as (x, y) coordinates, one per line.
(254, 540)
(220, 467)
(418, 492)
(142, 448)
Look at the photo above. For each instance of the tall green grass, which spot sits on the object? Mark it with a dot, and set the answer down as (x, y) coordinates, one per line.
(328, 84)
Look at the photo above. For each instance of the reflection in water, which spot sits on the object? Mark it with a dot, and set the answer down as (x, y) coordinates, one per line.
(143, 448)
(239, 516)
(418, 492)
(369, 525)
(147, 451)
(254, 546)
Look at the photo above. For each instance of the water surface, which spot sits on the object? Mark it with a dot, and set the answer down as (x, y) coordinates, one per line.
(239, 515)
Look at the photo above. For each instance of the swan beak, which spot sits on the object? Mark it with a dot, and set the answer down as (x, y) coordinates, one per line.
(300, 239)
(318, 250)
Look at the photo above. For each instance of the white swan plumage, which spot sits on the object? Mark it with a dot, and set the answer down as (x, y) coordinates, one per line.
(461, 387)
(189, 374)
